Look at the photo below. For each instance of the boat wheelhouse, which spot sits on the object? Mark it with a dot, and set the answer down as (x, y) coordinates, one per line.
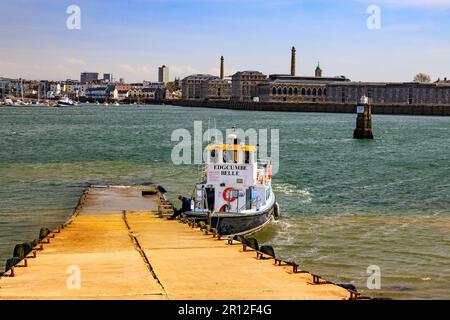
(235, 196)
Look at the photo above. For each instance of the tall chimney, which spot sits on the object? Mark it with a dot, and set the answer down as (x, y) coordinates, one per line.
(221, 68)
(293, 67)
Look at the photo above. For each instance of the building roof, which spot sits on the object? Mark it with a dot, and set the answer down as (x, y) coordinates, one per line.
(286, 77)
(386, 84)
(200, 77)
(248, 73)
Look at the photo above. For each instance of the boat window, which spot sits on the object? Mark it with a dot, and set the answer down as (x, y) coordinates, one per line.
(247, 157)
(213, 156)
(228, 156)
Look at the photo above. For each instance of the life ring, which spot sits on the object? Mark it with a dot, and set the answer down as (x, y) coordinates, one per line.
(261, 179)
(227, 195)
(224, 208)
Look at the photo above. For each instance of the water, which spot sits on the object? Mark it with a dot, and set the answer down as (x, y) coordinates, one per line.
(346, 204)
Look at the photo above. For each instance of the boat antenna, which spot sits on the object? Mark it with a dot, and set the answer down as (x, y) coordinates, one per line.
(209, 132)
(215, 126)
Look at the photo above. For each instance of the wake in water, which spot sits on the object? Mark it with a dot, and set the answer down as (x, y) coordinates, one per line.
(303, 195)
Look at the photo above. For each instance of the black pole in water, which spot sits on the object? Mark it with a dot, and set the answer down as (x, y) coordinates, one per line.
(363, 120)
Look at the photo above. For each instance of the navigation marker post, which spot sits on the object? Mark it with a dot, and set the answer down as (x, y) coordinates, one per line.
(363, 120)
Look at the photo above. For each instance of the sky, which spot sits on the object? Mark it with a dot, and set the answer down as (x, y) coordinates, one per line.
(132, 38)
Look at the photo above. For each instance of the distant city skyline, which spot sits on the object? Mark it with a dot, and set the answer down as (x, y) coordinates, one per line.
(132, 39)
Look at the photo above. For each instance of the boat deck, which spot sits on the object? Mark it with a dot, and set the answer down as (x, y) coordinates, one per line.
(121, 249)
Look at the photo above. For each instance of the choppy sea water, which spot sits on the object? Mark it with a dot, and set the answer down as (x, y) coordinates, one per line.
(346, 204)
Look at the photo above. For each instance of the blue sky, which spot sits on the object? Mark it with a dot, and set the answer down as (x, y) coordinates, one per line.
(132, 38)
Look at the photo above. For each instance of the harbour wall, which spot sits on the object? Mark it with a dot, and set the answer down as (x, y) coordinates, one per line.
(403, 109)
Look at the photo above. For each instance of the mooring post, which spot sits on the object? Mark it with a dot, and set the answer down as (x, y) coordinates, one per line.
(363, 120)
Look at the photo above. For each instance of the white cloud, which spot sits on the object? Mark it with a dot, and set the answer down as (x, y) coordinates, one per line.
(75, 61)
(135, 69)
(183, 70)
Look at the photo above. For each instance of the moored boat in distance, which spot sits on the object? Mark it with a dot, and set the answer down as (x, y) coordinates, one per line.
(65, 102)
(236, 196)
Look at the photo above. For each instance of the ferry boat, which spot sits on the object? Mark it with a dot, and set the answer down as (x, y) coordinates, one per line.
(65, 102)
(235, 196)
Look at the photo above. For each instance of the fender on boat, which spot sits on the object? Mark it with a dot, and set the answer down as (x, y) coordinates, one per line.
(276, 210)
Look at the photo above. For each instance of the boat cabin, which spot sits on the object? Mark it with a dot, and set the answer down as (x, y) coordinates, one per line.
(234, 180)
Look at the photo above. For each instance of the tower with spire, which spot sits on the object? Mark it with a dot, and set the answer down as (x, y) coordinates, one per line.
(318, 72)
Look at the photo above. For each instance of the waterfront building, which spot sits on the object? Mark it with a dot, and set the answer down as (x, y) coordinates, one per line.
(54, 91)
(146, 91)
(78, 90)
(107, 77)
(68, 87)
(205, 87)
(437, 93)
(285, 88)
(43, 86)
(158, 88)
(192, 87)
(216, 89)
(141, 93)
(122, 94)
(163, 74)
(153, 85)
(5, 87)
(101, 92)
(87, 77)
(244, 85)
